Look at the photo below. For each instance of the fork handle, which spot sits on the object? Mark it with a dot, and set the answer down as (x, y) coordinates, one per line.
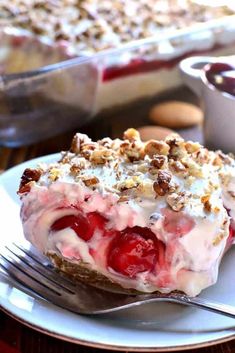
(206, 304)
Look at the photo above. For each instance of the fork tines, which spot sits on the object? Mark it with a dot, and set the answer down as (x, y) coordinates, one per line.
(34, 271)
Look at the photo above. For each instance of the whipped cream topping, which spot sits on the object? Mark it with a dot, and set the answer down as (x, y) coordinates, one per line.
(176, 189)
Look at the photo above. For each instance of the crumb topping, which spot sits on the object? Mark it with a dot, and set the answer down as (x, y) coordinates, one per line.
(94, 25)
(183, 174)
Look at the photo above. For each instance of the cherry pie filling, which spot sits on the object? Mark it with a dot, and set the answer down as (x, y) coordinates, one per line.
(132, 250)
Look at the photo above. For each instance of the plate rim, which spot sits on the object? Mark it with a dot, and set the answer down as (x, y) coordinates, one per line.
(117, 347)
(228, 337)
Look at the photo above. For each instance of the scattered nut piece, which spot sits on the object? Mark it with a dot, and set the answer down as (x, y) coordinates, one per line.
(224, 157)
(162, 185)
(190, 180)
(90, 180)
(158, 162)
(128, 184)
(217, 161)
(176, 201)
(193, 168)
(75, 169)
(203, 156)
(28, 176)
(106, 142)
(177, 166)
(133, 151)
(54, 173)
(206, 202)
(77, 141)
(154, 147)
(131, 135)
(216, 209)
(192, 147)
(101, 155)
(177, 146)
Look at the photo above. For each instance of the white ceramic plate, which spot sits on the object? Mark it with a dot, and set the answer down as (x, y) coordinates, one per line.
(155, 327)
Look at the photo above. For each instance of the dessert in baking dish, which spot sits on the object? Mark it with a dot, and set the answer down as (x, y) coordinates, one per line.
(67, 28)
(88, 26)
(133, 216)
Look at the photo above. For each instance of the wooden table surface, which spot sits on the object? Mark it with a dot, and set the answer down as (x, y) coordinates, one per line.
(14, 336)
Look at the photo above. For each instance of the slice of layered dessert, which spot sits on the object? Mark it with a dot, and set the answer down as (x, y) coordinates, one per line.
(133, 216)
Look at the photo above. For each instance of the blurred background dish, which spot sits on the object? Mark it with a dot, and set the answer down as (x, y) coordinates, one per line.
(213, 80)
(65, 62)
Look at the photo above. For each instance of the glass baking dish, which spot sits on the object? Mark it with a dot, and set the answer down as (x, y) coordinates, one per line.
(39, 103)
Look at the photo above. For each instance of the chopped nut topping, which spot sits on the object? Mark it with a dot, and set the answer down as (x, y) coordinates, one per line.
(224, 157)
(158, 162)
(131, 135)
(154, 147)
(194, 169)
(106, 142)
(101, 156)
(162, 185)
(192, 147)
(75, 169)
(216, 209)
(90, 181)
(78, 141)
(202, 156)
(128, 184)
(131, 150)
(177, 166)
(206, 202)
(176, 201)
(177, 148)
(54, 173)
(157, 168)
(174, 140)
(145, 188)
(28, 176)
(217, 161)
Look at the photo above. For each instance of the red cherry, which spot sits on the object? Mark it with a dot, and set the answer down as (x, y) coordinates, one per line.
(96, 221)
(177, 223)
(134, 250)
(83, 226)
(79, 224)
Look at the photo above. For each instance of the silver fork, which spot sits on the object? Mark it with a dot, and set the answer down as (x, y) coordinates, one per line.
(35, 272)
